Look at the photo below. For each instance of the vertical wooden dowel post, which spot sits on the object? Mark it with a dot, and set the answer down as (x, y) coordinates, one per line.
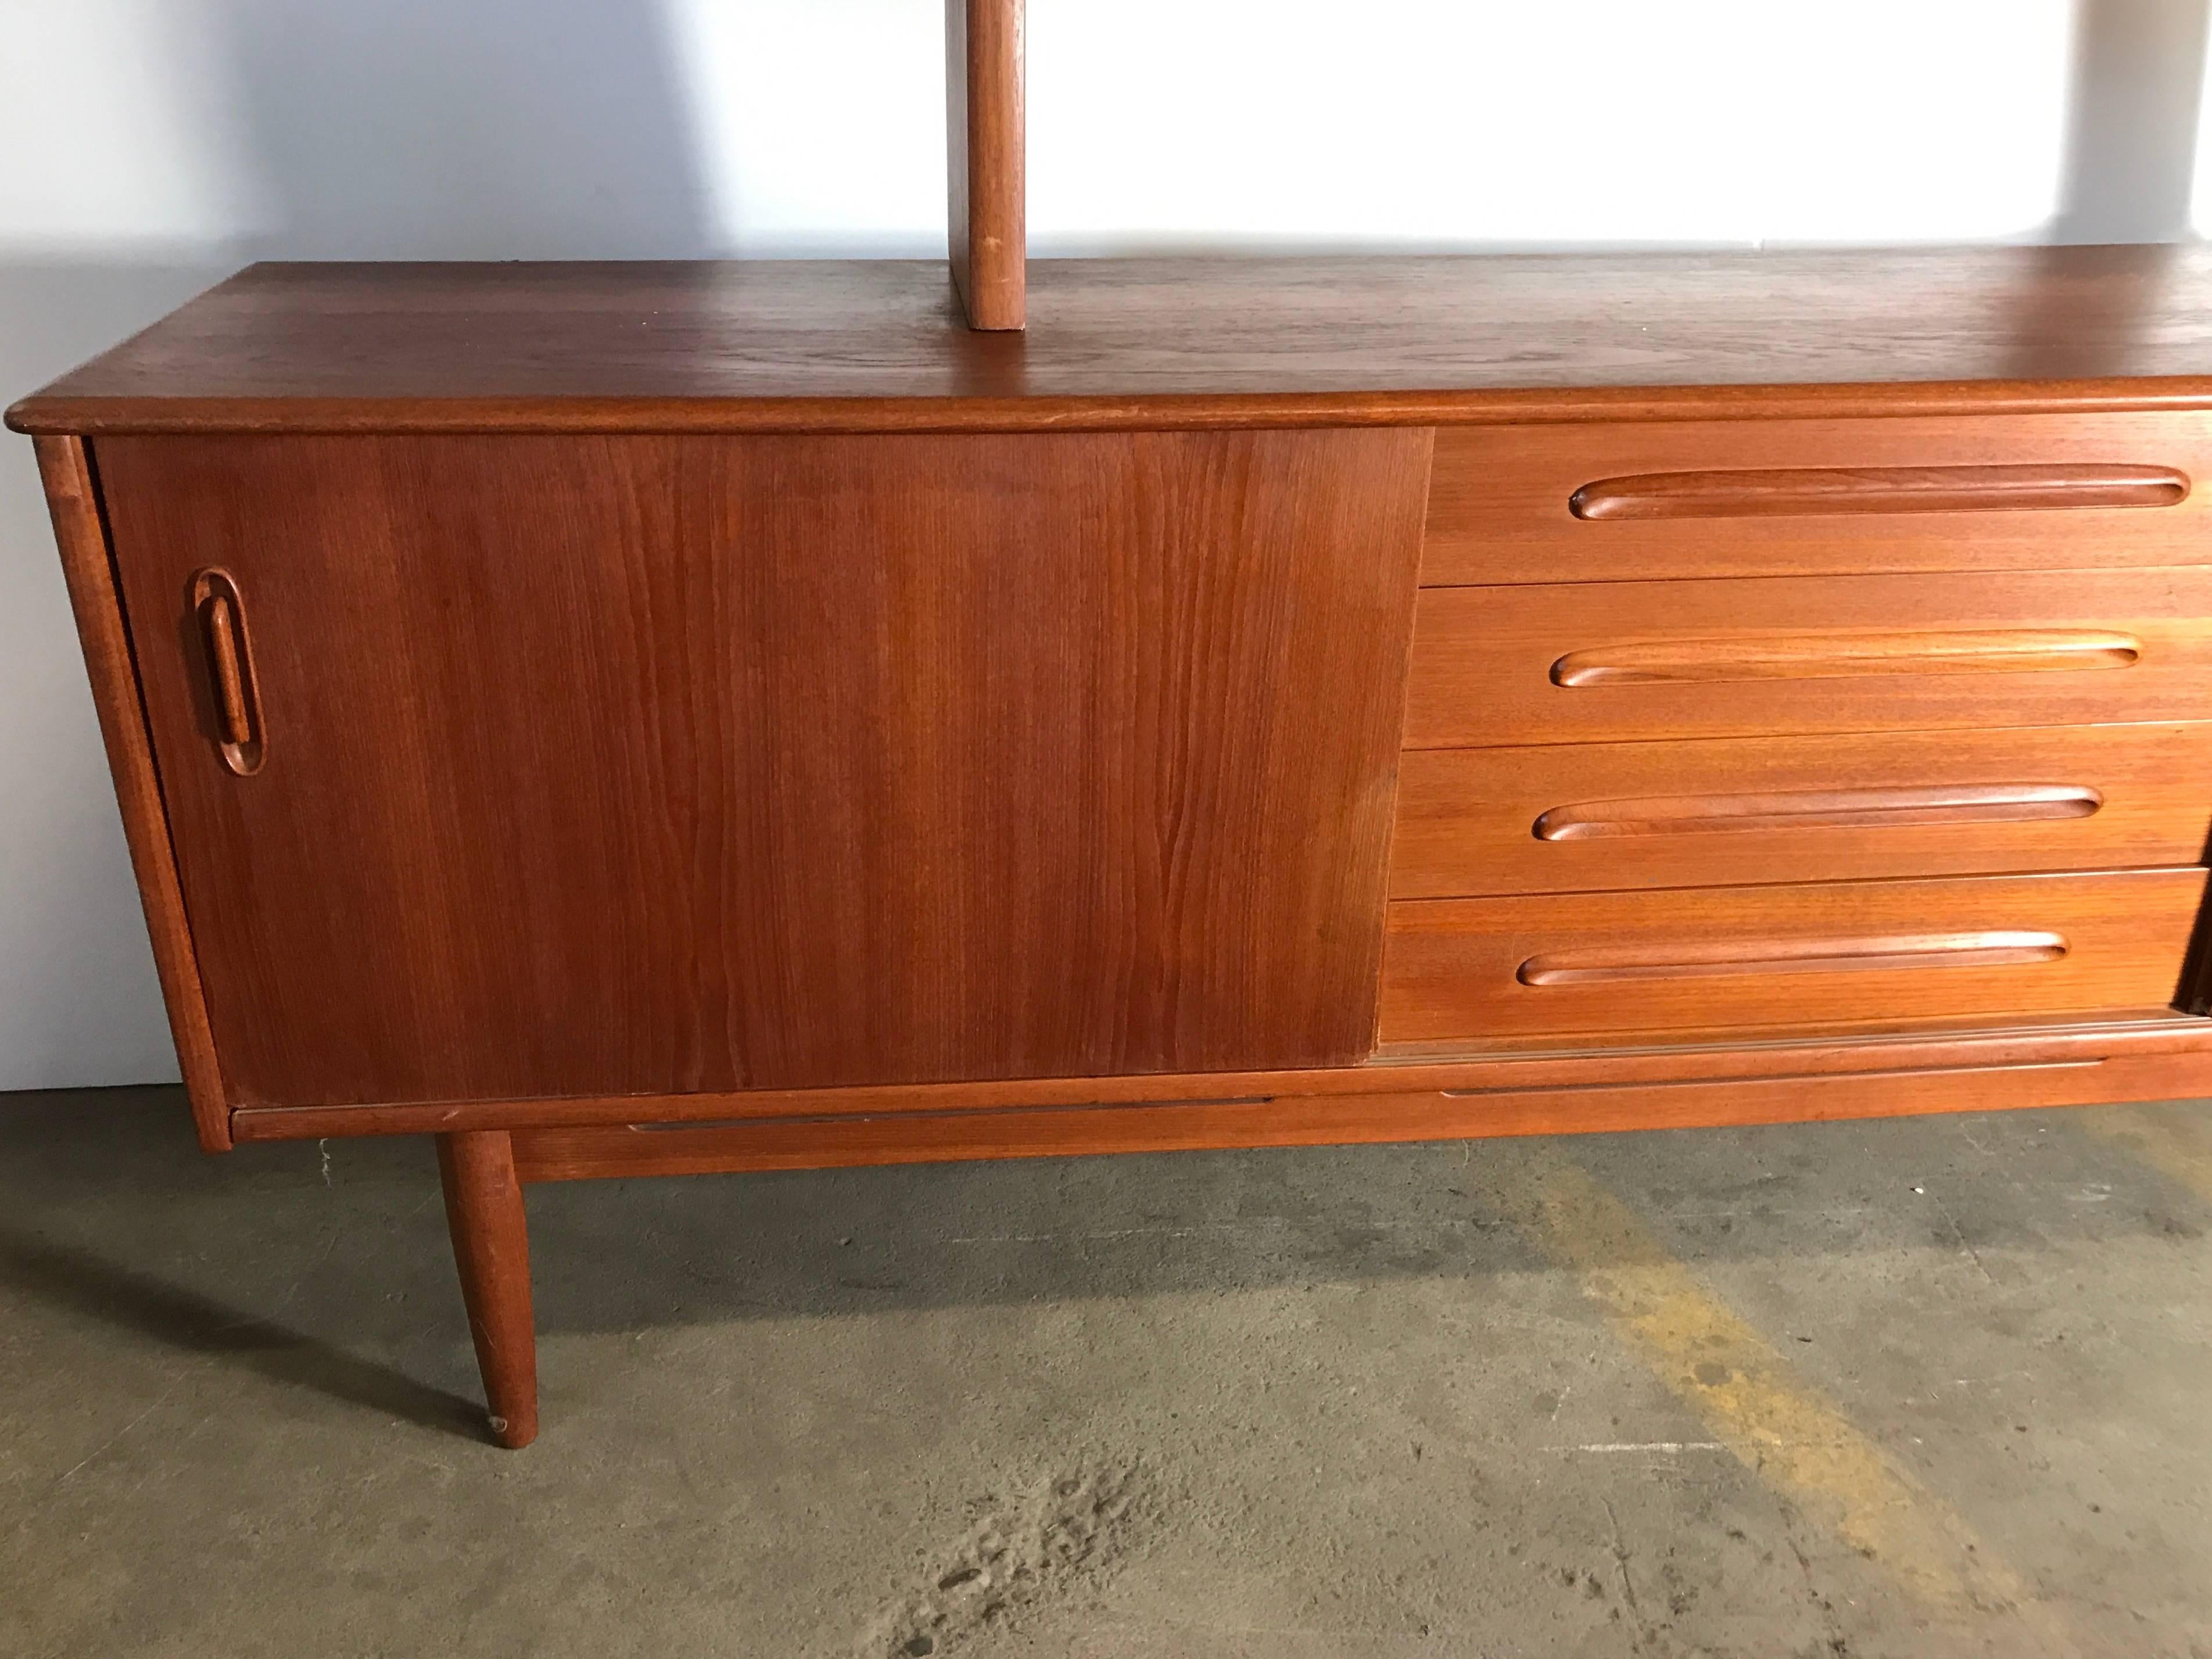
(984, 157)
(491, 1248)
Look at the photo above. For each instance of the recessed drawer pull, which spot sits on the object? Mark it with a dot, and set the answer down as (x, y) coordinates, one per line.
(1812, 490)
(1837, 656)
(1995, 949)
(1818, 809)
(237, 698)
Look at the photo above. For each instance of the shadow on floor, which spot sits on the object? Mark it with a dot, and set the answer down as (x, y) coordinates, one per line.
(326, 1264)
(75, 1280)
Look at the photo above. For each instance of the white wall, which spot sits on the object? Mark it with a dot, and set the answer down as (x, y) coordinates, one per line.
(159, 142)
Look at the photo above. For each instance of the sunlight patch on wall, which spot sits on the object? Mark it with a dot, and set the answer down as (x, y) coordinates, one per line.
(1436, 123)
(820, 126)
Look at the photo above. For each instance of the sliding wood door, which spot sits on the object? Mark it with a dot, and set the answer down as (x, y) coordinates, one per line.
(507, 766)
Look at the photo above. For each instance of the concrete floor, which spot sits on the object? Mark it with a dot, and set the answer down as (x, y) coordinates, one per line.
(1922, 1388)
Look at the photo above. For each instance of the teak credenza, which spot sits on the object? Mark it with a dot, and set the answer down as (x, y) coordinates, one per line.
(650, 718)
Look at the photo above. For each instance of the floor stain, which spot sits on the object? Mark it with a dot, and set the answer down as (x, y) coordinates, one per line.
(1750, 1398)
(2173, 1136)
(1054, 1535)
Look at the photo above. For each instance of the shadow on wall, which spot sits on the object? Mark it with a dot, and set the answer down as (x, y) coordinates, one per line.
(2132, 121)
(468, 130)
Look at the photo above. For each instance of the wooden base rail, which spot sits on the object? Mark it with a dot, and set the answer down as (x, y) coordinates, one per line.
(1327, 1120)
(1410, 1069)
(485, 1171)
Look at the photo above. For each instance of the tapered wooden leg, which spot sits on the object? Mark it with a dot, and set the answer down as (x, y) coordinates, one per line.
(491, 1248)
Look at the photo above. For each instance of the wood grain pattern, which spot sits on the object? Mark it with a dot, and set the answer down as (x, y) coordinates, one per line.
(1722, 957)
(72, 497)
(491, 1252)
(985, 155)
(669, 764)
(1779, 1097)
(1586, 817)
(1182, 342)
(1791, 497)
(1764, 656)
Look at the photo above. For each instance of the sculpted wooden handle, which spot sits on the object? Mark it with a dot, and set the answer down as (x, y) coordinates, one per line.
(1780, 492)
(1837, 656)
(237, 696)
(1841, 954)
(1818, 809)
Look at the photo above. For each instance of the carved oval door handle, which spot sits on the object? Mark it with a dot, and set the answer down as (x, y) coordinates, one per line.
(240, 736)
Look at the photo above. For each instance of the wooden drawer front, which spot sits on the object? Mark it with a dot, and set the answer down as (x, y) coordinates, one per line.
(1578, 818)
(1831, 951)
(1702, 498)
(1774, 655)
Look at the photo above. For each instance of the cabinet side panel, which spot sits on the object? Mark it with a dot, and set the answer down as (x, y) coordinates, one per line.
(66, 471)
(661, 764)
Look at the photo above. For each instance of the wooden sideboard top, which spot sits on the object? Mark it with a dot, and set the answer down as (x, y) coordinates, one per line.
(880, 345)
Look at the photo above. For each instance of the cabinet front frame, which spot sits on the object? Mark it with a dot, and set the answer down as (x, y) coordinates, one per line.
(2156, 1052)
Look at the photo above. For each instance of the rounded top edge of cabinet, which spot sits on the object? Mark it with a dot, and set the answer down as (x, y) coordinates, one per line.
(880, 345)
(63, 414)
